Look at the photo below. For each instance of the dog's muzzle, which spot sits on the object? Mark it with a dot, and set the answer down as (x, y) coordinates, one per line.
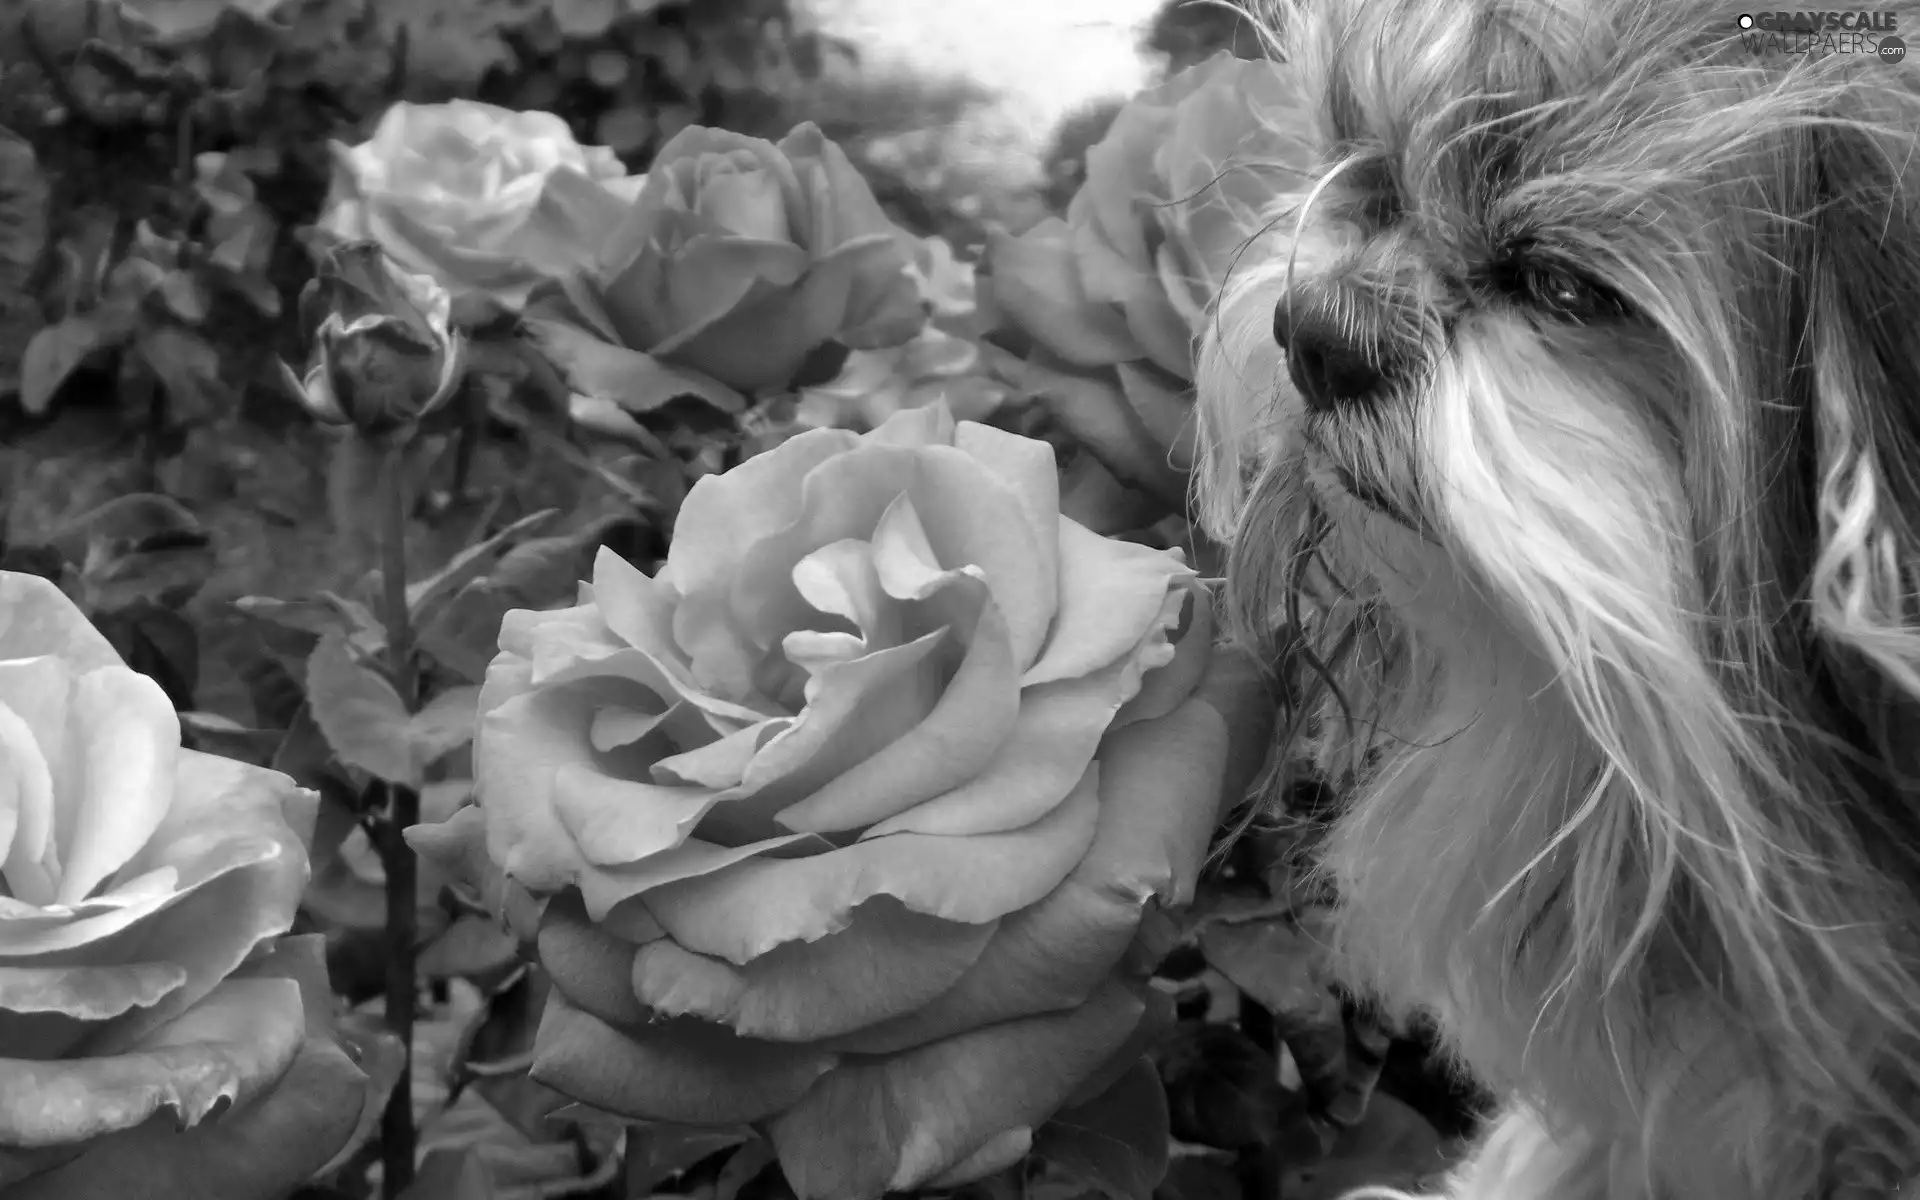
(1337, 354)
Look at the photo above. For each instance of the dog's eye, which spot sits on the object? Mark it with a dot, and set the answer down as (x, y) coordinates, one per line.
(1559, 292)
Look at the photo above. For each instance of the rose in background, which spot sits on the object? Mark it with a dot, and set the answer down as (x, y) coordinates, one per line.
(943, 363)
(486, 200)
(844, 822)
(1100, 309)
(739, 264)
(144, 984)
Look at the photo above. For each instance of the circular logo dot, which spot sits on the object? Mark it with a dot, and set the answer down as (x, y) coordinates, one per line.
(1892, 49)
(1746, 21)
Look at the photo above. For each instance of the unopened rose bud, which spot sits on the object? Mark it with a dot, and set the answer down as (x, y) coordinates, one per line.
(384, 353)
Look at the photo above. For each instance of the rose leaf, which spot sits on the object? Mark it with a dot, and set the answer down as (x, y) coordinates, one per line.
(444, 724)
(426, 597)
(1117, 1142)
(54, 353)
(636, 381)
(362, 717)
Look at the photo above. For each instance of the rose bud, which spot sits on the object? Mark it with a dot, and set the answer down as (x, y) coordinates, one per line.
(385, 354)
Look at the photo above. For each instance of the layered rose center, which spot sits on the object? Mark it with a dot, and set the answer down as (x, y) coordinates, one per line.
(85, 778)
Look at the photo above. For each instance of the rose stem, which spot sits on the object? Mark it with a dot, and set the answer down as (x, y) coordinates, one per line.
(396, 1123)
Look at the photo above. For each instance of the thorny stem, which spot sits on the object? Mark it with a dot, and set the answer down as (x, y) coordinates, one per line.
(397, 1133)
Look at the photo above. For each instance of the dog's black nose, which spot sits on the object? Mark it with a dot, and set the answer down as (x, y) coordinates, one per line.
(1330, 365)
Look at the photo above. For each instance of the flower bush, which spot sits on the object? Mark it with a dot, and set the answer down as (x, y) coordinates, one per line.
(486, 200)
(846, 818)
(142, 987)
(1105, 303)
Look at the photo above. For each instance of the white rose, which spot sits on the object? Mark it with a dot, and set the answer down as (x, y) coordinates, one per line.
(487, 200)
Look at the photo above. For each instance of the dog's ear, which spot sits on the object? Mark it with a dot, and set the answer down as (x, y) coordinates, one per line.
(1864, 352)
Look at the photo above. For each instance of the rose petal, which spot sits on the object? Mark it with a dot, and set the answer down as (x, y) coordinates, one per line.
(888, 961)
(230, 1046)
(592, 967)
(236, 838)
(575, 644)
(223, 872)
(616, 821)
(1165, 411)
(971, 518)
(743, 910)
(1059, 726)
(759, 345)
(839, 200)
(1035, 281)
(26, 785)
(1159, 785)
(930, 426)
(721, 517)
(524, 738)
(703, 282)
(605, 888)
(894, 1124)
(1112, 593)
(1165, 688)
(955, 740)
(88, 993)
(1031, 471)
(1093, 408)
(997, 1155)
(685, 1071)
(269, 1147)
(124, 727)
(575, 216)
(458, 845)
(839, 579)
(37, 618)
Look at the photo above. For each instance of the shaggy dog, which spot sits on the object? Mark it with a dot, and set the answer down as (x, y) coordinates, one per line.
(1565, 424)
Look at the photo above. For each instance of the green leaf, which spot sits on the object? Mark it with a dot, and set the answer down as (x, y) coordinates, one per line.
(454, 1173)
(546, 571)
(425, 597)
(472, 945)
(138, 548)
(445, 724)
(464, 635)
(321, 615)
(636, 382)
(656, 1153)
(1117, 1142)
(54, 353)
(1223, 1090)
(1283, 968)
(187, 366)
(364, 720)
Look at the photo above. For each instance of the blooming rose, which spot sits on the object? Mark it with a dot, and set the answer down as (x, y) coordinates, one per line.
(486, 200)
(739, 260)
(1111, 297)
(831, 818)
(145, 888)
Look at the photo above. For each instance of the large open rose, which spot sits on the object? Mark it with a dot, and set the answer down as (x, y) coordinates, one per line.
(739, 260)
(847, 817)
(486, 200)
(1108, 301)
(142, 987)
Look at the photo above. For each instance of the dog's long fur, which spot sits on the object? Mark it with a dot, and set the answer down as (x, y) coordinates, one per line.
(1604, 610)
